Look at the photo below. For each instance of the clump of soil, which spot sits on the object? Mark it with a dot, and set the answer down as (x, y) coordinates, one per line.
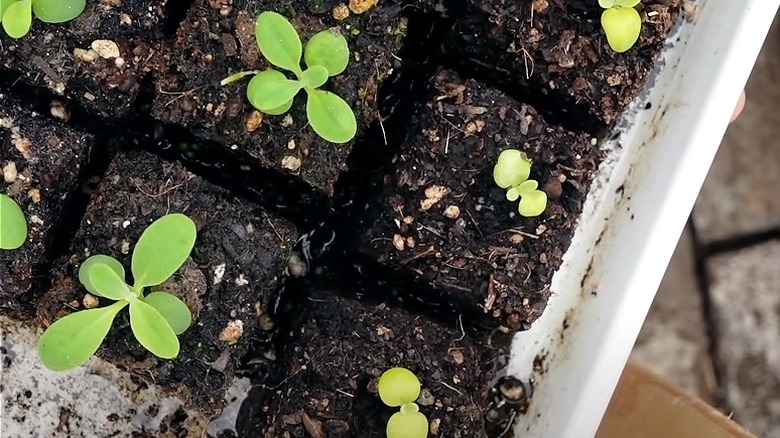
(230, 284)
(96, 60)
(442, 217)
(40, 163)
(218, 39)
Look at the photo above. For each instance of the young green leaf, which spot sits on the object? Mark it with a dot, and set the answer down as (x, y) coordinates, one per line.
(532, 204)
(314, 76)
(13, 225)
(162, 249)
(408, 423)
(152, 330)
(71, 340)
(330, 116)
(4, 5)
(398, 386)
(606, 4)
(328, 49)
(511, 169)
(527, 187)
(175, 312)
(626, 3)
(278, 41)
(268, 93)
(512, 194)
(253, 91)
(622, 27)
(99, 259)
(107, 283)
(17, 19)
(58, 11)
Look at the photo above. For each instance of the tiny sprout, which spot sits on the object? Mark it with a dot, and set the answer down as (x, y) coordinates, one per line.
(621, 22)
(155, 319)
(400, 387)
(13, 225)
(511, 172)
(16, 15)
(326, 55)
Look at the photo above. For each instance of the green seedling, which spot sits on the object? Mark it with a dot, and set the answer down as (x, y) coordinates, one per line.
(399, 387)
(156, 319)
(16, 15)
(13, 225)
(511, 173)
(326, 55)
(621, 22)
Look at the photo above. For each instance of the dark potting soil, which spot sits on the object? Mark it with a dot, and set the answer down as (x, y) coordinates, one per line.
(343, 348)
(442, 217)
(103, 82)
(553, 55)
(415, 259)
(232, 279)
(217, 39)
(40, 162)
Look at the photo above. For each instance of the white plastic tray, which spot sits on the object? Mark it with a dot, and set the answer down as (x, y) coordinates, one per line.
(633, 217)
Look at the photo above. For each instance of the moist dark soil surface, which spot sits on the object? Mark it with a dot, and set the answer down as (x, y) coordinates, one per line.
(41, 161)
(337, 262)
(442, 217)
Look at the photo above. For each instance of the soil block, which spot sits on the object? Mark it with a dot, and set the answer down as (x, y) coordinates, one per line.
(40, 160)
(555, 56)
(442, 217)
(96, 60)
(217, 39)
(233, 276)
(345, 346)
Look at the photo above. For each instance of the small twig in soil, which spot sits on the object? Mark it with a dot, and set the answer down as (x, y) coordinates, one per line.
(450, 387)
(164, 192)
(178, 94)
(345, 393)
(474, 221)
(462, 331)
(430, 230)
(428, 251)
(267, 219)
(286, 379)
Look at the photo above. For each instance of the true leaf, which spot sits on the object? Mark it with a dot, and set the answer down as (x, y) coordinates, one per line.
(511, 169)
(175, 312)
(152, 330)
(328, 49)
(17, 19)
(512, 194)
(314, 76)
(71, 340)
(95, 260)
(622, 27)
(606, 4)
(162, 249)
(13, 225)
(278, 41)
(252, 91)
(268, 93)
(532, 204)
(107, 283)
(58, 11)
(330, 116)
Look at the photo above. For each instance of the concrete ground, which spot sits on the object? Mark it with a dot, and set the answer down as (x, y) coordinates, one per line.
(715, 324)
